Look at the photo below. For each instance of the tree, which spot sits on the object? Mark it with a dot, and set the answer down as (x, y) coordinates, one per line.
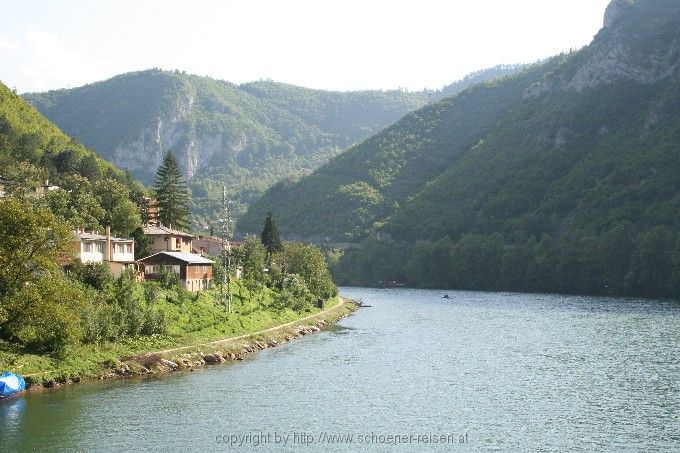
(172, 193)
(309, 263)
(76, 202)
(89, 168)
(39, 306)
(120, 213)
(270, 236)
(253, 262)
(142, 243)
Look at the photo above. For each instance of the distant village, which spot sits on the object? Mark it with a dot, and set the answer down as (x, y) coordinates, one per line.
(172, 250)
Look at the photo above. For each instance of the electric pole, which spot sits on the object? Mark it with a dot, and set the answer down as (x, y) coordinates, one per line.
(226, 252)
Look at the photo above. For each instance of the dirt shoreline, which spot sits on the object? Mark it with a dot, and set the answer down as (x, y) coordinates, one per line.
(189, 358)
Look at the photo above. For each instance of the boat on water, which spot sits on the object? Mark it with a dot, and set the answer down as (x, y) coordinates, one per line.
(11, 384)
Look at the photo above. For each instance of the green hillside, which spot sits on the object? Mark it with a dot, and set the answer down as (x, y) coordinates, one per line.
(33, 150)
(343, 198)
(566, 181)
(245, 136)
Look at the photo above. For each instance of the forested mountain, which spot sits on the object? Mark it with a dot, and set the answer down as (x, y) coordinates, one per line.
(33, 150)
(347, 195)
(477, 77)
(26, 135)
(564, 177)
(246, 136)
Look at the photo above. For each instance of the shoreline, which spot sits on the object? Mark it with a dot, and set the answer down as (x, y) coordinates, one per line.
(191, 357)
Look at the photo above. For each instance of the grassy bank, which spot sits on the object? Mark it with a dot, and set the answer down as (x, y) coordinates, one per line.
(193, 323)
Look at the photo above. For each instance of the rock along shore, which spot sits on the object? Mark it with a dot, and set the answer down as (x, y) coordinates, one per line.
(189, 358)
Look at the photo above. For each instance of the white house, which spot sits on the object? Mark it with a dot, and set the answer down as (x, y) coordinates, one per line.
(117, 253)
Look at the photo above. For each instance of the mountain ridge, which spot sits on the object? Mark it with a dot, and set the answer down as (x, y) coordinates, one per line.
(248, 136)
(571, 187)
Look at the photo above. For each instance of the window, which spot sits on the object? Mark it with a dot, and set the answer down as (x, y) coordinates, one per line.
(99, 247)
(87, 247)
(128, 248)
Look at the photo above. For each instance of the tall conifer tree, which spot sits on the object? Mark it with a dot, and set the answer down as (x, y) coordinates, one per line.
(270, 236)
(172, 193)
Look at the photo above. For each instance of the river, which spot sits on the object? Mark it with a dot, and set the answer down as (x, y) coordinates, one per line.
(414, 372)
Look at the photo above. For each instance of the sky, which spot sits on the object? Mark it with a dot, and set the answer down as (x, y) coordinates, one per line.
(325, 44)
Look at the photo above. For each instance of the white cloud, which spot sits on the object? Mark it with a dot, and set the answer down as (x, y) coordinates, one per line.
(8, 48)
(49, 62)
(348, 44)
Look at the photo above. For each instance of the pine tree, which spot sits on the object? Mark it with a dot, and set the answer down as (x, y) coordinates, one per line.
(270, 236)
(172, 194)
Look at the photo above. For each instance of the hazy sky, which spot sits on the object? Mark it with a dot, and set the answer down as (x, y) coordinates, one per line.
(329, 44)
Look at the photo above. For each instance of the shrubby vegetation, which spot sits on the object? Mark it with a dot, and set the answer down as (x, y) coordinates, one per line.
(296, 273)
(49, 309)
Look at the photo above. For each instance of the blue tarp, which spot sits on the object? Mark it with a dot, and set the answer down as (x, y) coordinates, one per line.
(11, 383)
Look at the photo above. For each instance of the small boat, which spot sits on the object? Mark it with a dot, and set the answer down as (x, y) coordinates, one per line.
(11, 384)
(446, 296)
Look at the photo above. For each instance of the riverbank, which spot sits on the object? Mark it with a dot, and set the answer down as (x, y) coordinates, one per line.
(140, 361)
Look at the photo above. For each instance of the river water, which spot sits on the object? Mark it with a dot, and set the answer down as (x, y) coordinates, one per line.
(414, 372)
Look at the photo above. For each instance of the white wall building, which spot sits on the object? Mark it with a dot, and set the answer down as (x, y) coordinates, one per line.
(118, 253)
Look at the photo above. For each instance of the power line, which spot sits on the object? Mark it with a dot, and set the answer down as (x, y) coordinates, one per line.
(225, 254)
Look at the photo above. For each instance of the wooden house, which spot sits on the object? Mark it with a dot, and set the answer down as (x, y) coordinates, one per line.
(195, 272)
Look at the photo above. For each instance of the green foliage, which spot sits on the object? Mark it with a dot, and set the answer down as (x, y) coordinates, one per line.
(120, 213)
(295, 294)
(95, 275)
(619, 261)
(309, 263)
(124, 309)
(270, 236)
(172, 194)
(168, 278)
(142, 243)
(254, 257)
(32, 150)
(37, 302)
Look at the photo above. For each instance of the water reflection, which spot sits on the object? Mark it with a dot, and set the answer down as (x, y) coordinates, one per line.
(513, 371)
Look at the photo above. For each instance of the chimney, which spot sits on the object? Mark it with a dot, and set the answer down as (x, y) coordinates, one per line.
(107, 247)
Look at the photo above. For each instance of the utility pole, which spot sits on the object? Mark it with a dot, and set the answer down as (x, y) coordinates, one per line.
(226, 252)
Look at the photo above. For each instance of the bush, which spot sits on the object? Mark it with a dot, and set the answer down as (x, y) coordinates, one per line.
(168, 278)
(155, 321)
(295, 294)
(95, 275)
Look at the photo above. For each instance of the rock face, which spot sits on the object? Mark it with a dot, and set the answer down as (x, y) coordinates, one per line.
(621, 50)
(133, 119)
(613, 11)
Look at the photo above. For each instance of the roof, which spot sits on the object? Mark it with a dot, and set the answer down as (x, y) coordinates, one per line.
(92, 236)
(163, 230)
(183, 256)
